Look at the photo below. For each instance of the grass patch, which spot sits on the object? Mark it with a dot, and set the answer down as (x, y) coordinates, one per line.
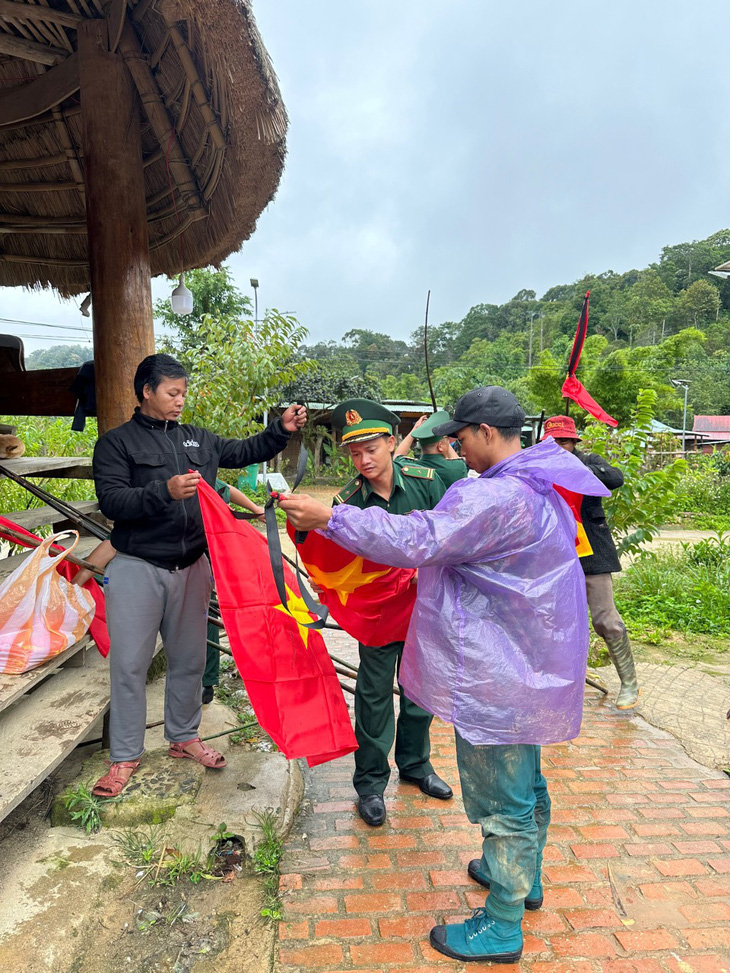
(156, 862)
(686, 590)
(267, 863)
(85, 808)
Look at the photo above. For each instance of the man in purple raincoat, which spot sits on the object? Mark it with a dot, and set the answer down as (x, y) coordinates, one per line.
(497, 644)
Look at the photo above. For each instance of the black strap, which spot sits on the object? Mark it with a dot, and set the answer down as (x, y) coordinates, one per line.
(277, 557)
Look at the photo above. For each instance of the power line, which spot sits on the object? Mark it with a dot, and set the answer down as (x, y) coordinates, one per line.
(42, 324)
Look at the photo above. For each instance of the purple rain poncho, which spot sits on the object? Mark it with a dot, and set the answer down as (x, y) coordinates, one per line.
(498, 640)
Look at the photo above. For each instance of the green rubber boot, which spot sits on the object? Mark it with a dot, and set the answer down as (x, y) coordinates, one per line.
(623, 660)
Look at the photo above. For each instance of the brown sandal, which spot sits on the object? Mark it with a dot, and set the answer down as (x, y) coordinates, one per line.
(113, 783)
(206, 756)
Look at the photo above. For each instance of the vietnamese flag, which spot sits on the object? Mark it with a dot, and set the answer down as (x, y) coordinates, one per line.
(288, 675)
(372, 602)
(97, 629)
(574, 500)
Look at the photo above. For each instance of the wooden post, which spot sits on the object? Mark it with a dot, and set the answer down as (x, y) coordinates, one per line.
(116, 219)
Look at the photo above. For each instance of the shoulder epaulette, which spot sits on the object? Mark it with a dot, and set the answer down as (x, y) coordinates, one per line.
(349, 490)
(421, 472)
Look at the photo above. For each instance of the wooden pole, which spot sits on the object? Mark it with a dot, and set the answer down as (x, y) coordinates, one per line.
(116, 219)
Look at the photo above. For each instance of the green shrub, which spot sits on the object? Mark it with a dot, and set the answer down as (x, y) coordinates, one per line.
(687, 590)
(49, 437)
(704, 487)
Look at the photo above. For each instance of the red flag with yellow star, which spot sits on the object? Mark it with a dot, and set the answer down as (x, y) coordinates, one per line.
(288, 675)
(372, 602)
(574, 500)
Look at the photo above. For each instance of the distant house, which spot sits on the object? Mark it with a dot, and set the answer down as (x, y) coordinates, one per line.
(694, 439)
(715, 431)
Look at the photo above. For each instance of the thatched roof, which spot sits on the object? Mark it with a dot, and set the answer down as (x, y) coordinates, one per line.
(213, 133)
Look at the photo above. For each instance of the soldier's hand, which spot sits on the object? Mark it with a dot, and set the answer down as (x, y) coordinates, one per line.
(304, 512)
(183, 486)
(294, 418)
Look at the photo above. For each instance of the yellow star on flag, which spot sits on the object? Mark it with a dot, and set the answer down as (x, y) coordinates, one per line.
(299, 612)
(346, 580)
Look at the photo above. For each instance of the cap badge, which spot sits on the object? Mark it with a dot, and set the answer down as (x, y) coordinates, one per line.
(352, 417)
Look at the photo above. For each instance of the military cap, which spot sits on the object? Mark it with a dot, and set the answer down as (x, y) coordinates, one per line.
(425, 434)
(363, 419)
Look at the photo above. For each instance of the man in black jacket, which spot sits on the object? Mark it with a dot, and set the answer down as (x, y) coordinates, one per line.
(147, 473)
(604, 561)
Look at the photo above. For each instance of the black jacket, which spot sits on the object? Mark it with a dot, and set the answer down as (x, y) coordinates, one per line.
(604, 559)
(132, 465)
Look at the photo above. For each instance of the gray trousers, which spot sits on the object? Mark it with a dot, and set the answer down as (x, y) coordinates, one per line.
(605, 617)
(142, 601)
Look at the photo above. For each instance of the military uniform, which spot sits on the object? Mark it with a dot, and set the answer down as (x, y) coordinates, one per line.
(449, 470)
(415, 487)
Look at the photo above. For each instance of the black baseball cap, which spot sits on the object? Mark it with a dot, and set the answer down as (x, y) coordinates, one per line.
(490, 404)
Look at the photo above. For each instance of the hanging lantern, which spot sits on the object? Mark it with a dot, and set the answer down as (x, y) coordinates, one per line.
(181, 299)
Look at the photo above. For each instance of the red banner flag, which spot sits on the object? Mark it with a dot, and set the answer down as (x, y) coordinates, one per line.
(574, 500)
(97, 629)
(288, 675)
(372, 602)
(572, 388)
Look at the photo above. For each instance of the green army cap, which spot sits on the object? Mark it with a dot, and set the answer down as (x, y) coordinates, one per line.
(425, 434)
(363, 419)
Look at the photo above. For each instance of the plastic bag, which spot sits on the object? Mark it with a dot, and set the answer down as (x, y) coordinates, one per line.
(41, 614)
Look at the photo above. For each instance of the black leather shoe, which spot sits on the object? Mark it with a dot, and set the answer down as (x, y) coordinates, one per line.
(371, 809)
(431, 785)
(208, 694)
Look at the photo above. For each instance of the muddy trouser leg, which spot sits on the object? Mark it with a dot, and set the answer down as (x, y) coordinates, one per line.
(542, 809)
(610, 626)
(183, 631)
(135, 602)
(505, 793)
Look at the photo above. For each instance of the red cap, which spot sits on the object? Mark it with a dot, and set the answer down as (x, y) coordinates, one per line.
(560, 427)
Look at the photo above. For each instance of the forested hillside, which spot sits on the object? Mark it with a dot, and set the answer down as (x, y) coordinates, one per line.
(669, 320)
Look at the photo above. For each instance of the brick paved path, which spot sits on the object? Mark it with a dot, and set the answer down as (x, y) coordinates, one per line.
(637, 867)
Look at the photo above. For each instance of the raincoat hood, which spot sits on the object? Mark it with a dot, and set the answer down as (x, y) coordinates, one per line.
(498, 640)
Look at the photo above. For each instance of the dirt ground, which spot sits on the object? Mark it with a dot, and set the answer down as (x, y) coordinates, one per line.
(122, 926)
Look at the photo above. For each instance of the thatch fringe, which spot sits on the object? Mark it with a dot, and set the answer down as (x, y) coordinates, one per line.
(212, 117)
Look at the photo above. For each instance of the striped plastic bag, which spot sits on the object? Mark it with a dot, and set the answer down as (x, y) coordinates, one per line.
(41, 613)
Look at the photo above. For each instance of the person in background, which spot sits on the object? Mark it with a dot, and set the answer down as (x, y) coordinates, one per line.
(436, 451)
(602, 563)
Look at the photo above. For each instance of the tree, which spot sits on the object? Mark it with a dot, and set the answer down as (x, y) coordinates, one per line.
(59, 356)
(650, 303)
(241, 370)
(214, 296)
(321, 388)
(700, 303)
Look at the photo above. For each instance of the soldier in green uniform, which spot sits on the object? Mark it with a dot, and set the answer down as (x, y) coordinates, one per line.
(398, 486)
(436, 451)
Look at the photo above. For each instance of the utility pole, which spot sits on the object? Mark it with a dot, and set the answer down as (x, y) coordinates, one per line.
(529, 354)
(683, 383)
(255, 285)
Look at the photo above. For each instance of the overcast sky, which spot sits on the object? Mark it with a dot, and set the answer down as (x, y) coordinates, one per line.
(476, 148)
